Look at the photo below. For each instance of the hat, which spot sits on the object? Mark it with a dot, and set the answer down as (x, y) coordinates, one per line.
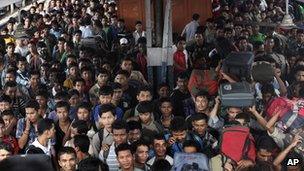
(123, 41)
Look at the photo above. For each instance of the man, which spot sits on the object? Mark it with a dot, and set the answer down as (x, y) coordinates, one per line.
(160, 150)
(46, 131)
(191, 27)
(102, 80)
(125, 157)
(5, 150)
(139, 32)
(141, 150)
(180, 94)
(81, 147)
(135, 131)
(67, 159)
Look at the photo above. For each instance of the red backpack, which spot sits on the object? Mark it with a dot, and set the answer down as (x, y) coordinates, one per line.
(237, 143)
(203, 80)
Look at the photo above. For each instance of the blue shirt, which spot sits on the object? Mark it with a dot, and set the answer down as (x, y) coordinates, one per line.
(20, 129)
(96, 111)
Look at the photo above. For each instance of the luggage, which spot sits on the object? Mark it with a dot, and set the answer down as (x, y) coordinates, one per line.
(237, 143)
(193, 161)
(262, 72)
(239, 64)
(291, 114)
(203, 80)
(238, 94)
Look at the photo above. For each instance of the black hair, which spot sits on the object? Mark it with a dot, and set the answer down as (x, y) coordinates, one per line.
(178, 124)
(164, 99)
(159, 137)
(21, 58)
(161, 165)
(82, 142)
(34, 150)
(32, 104)
(123, 147)
(64, 104)
(267, 143)
(70, 44)
(61, 39)
(195, 16)
(123, 72)
(138, 143)
(44, 125)
(267, 88)
(78, 80)
(2, 121)
(42, 93)
(183, 75)
(180, 38)
(92, 164)
(73, 92)
(132, 125)
(138, 22)
(5, 98)
(66, 150)
(62, 94)
(11, 71)
(120, 124)
(107, 108)
(243, 115)
(145, 107)
(81, 126)
(115, 86)
(161, 85)
(144, 88)
(262, 166)
(34, 72)
(203, 93)
(199, 116)
(105, 90)
(10, 84)
(7, 113)
(191, 143)
(84, 105)
(6, 146)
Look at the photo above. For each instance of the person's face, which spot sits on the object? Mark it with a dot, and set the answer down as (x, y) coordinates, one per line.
(166, 108)
(199, 38)
(138, 27)
(51, 132)
(114, 21)
(142, 154)
(7, 119)
(266, 97)
(41, 100)
(67, 162)
(179, 136)
(4, 154)
(144, 96)
(120, 136)
(86, 75)
(105, 99)
(32, 48)
(79, 86)
(74, 100)
(2, 126)
(182, 84)
(11, 91)
(264, 155)
(121, 79)
(201, 103)
(31, 114)
(134, 135)
(200, 126)
(269, 43)
(83, 114)
(300, 37)
(107, 119)
(62, 113)
(300, 76)
(21, 65)
(160, 147)
(4, 106)
(125, 159)
(73, 71)
(145, 117)
(181, 45)
(34, 80)
(117, 94)
(232, 112)
(190, 149)
(10, 49)
(163, 92)
(126, 65)
(243, 44)
(102, 79)
(9, 77)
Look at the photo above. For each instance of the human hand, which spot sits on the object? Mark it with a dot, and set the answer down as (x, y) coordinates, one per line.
(296, 140)
(27, 124)
(171, 141)
(252, 109)
(244, 163)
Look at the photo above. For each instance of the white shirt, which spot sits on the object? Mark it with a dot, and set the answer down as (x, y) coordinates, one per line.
(111, 160)
(136, 35)
(190, 30)
(168, 158)
(46, 150)
(86, 31)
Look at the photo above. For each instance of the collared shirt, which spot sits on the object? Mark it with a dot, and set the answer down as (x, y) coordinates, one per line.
(190, 30)
(20, 130)
(96, 111)
(137, 35)
(45, 149)
(96, 144)
(110, 159)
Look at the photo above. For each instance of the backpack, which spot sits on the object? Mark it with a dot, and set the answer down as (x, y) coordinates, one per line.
(262, 72)
(237, 143)
(203, 80)
(291, 115)
(193, 161)
(100, 136)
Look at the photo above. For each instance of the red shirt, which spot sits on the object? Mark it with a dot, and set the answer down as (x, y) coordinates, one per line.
(180, 58)
(11, 141)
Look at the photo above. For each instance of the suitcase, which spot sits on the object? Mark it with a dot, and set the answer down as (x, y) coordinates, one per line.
(262, 72)
(238, 94)
(239, 64)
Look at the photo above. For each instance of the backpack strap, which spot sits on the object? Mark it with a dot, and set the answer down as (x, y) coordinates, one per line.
(100, 135)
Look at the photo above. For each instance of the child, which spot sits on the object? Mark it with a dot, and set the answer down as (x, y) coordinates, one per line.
(107, 117)
(10, 122)
(5, 103)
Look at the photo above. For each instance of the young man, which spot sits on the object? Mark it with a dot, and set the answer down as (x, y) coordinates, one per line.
(79, 85)
(141, 150)
(81, 147)
(22, 75)
(46, 132)
(124, 155)
(105, 97)
(160, 150)
(120, 136)
(135, 131)
(42, 98)
(127, 64)
(67, 159)
(10, 122)
(26, 127)
(190, 28)
(200, 104)
(107, 116)
(166, 112)
(189, 146)
(139, 32)
(143, 94)
(102, 80)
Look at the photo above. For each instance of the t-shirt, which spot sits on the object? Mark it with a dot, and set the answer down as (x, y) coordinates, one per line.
(179, 58)
(46, 150)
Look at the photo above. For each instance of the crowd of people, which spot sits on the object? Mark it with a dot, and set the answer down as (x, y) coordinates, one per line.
(75, 87)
